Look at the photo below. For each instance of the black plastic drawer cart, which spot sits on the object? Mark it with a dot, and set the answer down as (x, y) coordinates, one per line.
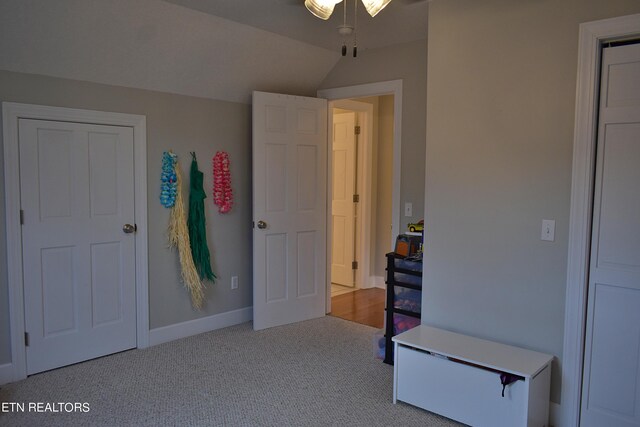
(404, 298)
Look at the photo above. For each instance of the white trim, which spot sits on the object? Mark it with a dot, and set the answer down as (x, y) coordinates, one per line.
(377, 282)
(199, 326)
(555, 412)
(6, 373)
(392, 87)
(142, 235)
(365, 152)
(591, 36)
(11, 112)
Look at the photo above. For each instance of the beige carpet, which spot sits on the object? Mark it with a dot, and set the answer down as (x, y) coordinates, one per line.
(316, 373)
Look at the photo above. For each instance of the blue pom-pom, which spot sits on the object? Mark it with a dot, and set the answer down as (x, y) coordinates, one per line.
(168, 179)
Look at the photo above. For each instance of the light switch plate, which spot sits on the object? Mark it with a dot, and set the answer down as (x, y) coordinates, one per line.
(548, 230)
(408, 209)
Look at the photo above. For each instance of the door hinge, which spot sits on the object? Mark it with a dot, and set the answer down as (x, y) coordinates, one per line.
(26, 339)
(356, 198)
(354, 265)
(21, 217)
(357, 130)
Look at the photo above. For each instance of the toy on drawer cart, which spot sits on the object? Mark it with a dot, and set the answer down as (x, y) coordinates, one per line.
(416, 227)
(407, 245)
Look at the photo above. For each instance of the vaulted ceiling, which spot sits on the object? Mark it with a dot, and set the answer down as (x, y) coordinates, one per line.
(220, 49)
(400, 21)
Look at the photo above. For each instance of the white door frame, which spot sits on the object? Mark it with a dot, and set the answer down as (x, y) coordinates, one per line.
(591, 37)
(362, 245)
(391, 87)
(11, 113)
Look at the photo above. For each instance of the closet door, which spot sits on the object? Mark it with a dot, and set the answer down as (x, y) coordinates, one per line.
(77, 194)
(611, 377)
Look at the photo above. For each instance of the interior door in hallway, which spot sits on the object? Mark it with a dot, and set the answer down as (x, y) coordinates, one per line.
(77, 192)
(611, 377)
(342, 203)
(289, 208)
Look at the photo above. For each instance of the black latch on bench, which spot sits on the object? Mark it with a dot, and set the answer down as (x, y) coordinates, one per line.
(507, 379)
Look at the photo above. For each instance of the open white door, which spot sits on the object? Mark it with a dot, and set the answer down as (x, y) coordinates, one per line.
(342, 206)
(289, 208)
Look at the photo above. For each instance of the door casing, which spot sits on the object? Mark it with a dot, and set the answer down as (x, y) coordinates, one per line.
(11, 113)
(392, 87)
(591, 37)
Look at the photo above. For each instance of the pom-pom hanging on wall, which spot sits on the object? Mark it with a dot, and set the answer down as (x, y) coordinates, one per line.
(222, 192)
(168, 180)
(179, 238)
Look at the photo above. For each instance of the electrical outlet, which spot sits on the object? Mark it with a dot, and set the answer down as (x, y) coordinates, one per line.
(234, 282)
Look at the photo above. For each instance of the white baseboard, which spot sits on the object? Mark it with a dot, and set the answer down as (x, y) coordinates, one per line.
(372, 282)
(555, 413)
(6, 373)
(377, 282)
(199, 326)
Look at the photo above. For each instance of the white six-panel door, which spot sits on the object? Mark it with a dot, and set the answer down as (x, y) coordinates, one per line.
(611, 378)
(342, 206)
(76, 185)
(289, 208)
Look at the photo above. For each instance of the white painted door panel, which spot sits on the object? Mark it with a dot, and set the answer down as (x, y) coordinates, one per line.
(342, 206)
(76, 184)
(289, 196)
(611, 378)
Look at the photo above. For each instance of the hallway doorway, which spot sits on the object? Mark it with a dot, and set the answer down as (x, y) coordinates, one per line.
(361, 175)
(384, 210)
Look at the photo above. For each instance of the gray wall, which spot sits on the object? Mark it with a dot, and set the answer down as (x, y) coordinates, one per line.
(501, 95)
(407, 62)
(184, 124)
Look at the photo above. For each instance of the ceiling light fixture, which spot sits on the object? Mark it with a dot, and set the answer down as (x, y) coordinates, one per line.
(324, 8)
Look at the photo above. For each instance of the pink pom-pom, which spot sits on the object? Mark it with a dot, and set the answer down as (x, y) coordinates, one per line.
(222, 192)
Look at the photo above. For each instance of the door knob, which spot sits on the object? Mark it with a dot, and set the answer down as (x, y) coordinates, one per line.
(128, 228)
(262, 225)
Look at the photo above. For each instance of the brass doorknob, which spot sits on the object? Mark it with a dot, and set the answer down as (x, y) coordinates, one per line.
(262, 225)
(128, 228)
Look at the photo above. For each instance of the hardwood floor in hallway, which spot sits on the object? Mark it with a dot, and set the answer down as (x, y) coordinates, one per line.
(365, 306)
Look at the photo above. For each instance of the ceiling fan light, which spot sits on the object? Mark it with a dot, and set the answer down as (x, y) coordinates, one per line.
(375, 6)
(321, 8)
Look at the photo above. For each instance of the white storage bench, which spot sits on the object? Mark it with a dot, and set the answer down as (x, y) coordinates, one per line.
(458, 376)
